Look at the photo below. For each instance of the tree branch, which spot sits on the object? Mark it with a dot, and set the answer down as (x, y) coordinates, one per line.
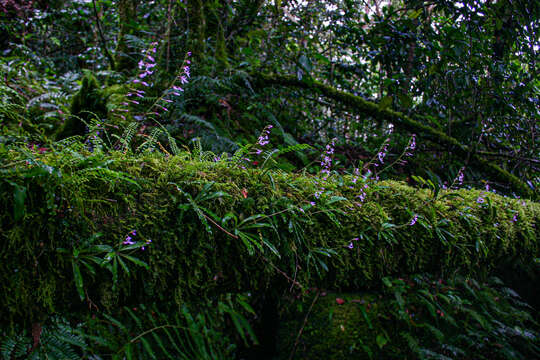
(399, 120)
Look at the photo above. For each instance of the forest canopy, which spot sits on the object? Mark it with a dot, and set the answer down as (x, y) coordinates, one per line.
(462, 77)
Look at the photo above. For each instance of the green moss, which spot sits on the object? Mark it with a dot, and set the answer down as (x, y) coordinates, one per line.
(88, 103)
(411, 318)
(71, 197)
(331, 330)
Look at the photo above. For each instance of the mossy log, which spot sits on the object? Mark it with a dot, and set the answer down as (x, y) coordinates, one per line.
(200, 251)
(400, 121)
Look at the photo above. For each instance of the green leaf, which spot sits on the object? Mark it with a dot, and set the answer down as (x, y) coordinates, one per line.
(381, 341)
(366, 316)
(78, 280)
(124, 266)
(135, 261)
(19, 195)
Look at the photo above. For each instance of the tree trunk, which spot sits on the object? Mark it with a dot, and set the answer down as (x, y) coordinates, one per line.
(196, 28)
(127, 14)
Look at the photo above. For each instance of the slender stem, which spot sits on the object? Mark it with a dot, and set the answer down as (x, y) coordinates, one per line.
(102, 38)
(399, 158)
(219, 227)
(303, 325)
(295, 282)
(165, 93)
(168, 35)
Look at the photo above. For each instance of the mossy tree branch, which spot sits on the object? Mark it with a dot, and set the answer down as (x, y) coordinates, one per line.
(400, 121)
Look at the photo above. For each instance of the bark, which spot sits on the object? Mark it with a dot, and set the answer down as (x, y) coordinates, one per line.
(103, 42)
(400, 121)
(196, 28)
(127, 12)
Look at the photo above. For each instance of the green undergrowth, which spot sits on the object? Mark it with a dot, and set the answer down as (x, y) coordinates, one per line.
(417, 317)
(85, 231)
(215, 226)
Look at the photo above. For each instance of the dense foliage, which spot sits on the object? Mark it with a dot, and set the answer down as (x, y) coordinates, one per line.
(178, 176)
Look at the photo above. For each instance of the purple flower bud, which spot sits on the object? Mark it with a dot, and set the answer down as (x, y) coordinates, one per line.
(413, 220)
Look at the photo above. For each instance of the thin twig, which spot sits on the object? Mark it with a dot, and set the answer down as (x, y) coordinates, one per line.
(283, 273)
(219, 227)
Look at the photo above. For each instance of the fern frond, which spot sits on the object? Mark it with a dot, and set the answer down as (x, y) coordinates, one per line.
(239, 154)
(127, 136)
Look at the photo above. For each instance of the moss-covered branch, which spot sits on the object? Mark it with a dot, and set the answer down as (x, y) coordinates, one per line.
(400, 121)
(71, 197)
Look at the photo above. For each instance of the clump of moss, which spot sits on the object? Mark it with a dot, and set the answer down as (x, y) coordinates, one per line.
(88, 103)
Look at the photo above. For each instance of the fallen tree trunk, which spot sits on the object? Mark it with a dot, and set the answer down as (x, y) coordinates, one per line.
(213, 228)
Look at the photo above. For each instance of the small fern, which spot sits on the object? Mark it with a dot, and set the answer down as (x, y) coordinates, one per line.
(147, 332)
(127, 136)
(58, 340)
